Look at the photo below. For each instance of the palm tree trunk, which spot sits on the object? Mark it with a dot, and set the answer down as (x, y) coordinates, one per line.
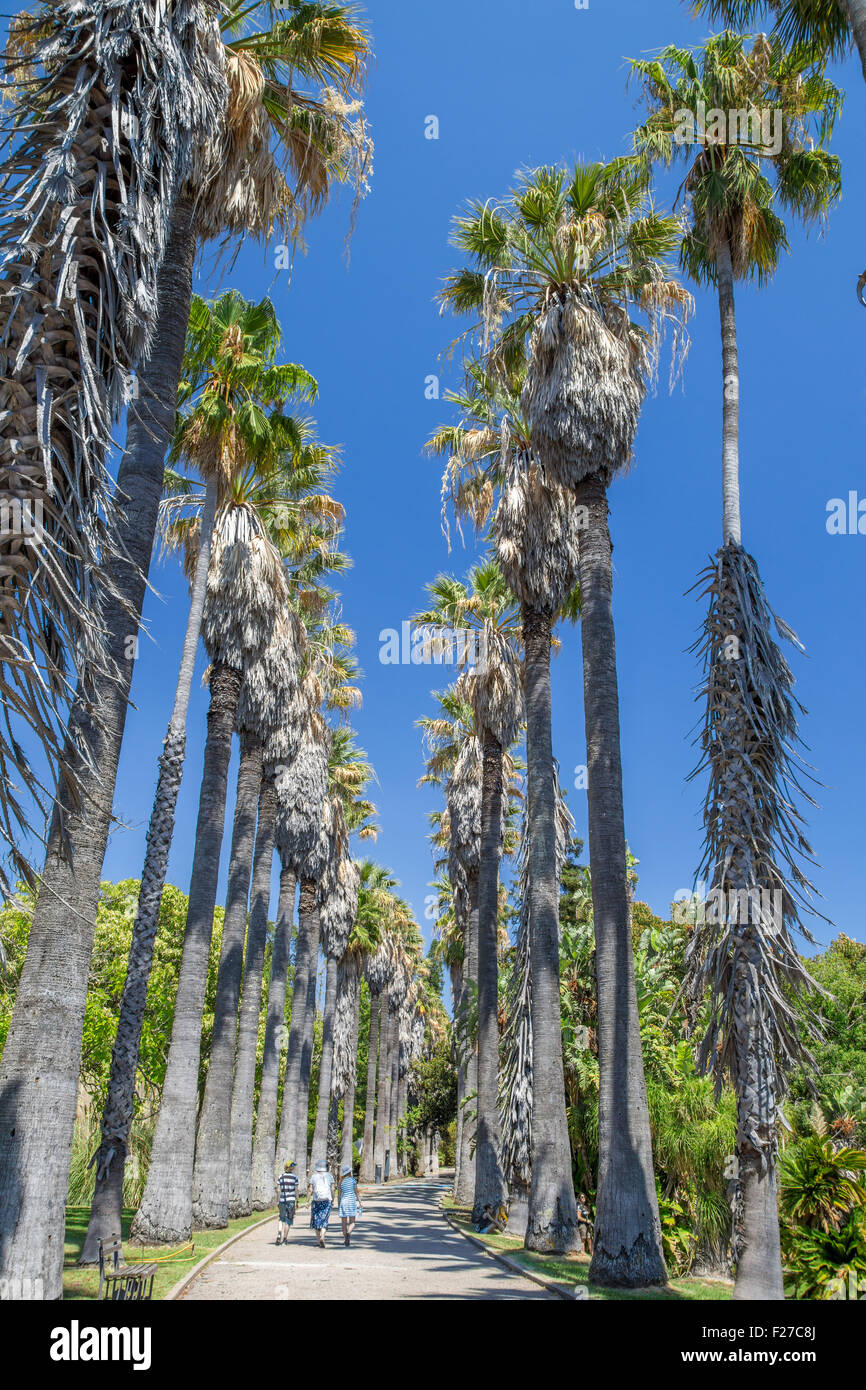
(243, 1090)
(292, 1142)
(759, 1268)
(40, 1064)
(333, 1139)
(856, 10)
(165, 1214)
(552, 1215)
(390, 1169)
(368, 1166)
(326, 1064)
(210, 1185)
(383, 1089)
(464, 1183)
(731, 399)
(105, 1211)
(347, 1145)
(264, 1145)
(402, 1105)
(490, 1188)
(628, 1249)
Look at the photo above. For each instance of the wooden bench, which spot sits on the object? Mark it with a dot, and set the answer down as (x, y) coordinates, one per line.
(122, 1283)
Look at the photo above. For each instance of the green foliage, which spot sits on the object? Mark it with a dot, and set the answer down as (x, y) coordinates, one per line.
(827, 1264)
(115, 916)
(820, 1185)
(434, 1087)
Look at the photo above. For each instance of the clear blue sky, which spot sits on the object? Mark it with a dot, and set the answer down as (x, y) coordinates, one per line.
(514, 85)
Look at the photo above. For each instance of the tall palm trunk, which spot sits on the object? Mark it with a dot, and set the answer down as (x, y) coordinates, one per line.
(628, 1249)
(368, 1165)
(464, 1180)
(292, 1142)
(383, 1088)
(105, 1211)
(243, 1091)
(390, 1169)
(856, 10)
(490, 1188)
(730, 399)
(264, 1145)
(551, 1222)
(456, 973)
(347, 1143)
(210, 1185)
(165, 1214)
(41, 1058)
(326, 1063)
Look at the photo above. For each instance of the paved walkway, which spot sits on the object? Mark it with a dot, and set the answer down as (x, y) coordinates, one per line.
(402, 1248)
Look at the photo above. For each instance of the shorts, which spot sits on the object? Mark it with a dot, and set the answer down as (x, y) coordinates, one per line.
(287, 1212)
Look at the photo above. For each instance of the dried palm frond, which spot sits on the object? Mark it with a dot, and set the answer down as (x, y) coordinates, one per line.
(266, 704)
(112, 103)
(379, 966)
(246, 588)
(743, 951)
(338, 892)
(585, 384)
(536, 531)
(302, 788)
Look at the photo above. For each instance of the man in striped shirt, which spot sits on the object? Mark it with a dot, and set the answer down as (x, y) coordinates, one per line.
(288, 1190)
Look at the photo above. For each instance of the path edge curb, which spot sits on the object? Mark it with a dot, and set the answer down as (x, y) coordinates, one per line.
(512, 1264)
(177, 1289)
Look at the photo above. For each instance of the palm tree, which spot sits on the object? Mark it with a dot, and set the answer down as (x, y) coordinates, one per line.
(231, 430)
(77, 307)
(364, 942)
(535, 530)
(753, 832)
(40, 1065)
(557, 272)
(378, 972)
(265, 711)
(302, 789)
(349, 774)
(323, 142)
(246, 591)
(484, 607)
(827, 27)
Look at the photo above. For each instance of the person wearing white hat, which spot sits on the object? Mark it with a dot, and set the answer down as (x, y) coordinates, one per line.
(322, 1196)
(348, 1202)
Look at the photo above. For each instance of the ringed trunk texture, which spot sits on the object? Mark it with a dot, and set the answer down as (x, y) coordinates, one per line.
(243, 1091)
(552, 1216)
(730, 400)
(41, 1058)
(165, 1214)
(106, 1208)
(383, 1088)
(627, 1240)
(210, 1186)
(292, 1142)
(326, 1064)
(464, 1177)
(490, 1187)
(347, 1143)
(265, 1142)
(368, 1165)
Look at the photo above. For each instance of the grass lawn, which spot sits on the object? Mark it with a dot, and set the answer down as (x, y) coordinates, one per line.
(175, 1261)
(573, 1270)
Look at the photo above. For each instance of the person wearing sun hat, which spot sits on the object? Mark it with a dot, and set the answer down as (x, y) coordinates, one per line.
(322, 1194)
(348, 1202)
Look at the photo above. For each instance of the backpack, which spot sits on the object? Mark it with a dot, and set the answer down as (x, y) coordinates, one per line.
(321, 1187)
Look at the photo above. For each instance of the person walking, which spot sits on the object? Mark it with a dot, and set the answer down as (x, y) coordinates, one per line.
(288, 1196)
(322, 1197)
(348, 1202)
